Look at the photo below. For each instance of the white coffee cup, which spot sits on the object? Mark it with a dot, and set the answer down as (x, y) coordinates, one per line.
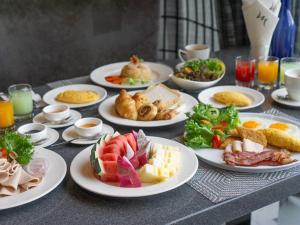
(292, 83)
(192, 51)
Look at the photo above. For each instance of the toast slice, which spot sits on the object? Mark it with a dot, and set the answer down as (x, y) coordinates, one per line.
(171, 97)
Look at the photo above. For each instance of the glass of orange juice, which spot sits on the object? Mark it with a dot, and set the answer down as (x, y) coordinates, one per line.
(267, 72)
(6, 112)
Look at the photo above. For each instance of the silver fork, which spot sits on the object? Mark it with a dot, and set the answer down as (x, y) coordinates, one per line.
(66, 120)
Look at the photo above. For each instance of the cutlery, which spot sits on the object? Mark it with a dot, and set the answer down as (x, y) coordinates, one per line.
(66, 120)
(93, 138)
(283, 97)
(40, 142)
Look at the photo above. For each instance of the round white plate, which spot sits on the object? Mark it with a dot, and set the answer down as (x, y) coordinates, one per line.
(70, 134)
(283, 92)
(107, 111)
(56, 172)
(214, 157)
(256, 97)
(52, 137)
(161, 74)
(82, 173)
(75, 115)
(50, 96)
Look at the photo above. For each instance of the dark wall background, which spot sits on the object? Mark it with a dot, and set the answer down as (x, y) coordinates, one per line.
(46, 40)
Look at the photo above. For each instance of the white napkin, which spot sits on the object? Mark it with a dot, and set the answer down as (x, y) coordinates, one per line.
(261, 18)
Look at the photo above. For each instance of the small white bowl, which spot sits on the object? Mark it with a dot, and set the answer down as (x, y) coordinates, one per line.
(41, 131)
(88, 131)
(56, 113)
(190, 85)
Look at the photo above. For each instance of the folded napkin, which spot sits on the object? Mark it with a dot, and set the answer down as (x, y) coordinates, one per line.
(261, 18)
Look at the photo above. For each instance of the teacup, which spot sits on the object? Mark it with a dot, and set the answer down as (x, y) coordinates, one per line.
(56, 113)
(36, 131)
(88, 127)
(192, 51)
(292, 83)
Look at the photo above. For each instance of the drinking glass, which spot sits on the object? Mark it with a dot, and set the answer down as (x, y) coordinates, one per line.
(21, 97)
(288, 63)
(267, 72)
(6, 112)
(244, 71)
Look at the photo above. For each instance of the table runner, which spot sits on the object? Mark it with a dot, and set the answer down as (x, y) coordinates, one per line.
(218, 185)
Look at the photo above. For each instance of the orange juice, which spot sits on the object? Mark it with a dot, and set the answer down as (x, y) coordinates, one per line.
(268, 72)
(6, 114)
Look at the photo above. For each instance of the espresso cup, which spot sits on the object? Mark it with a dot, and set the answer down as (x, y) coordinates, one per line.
(192, 51)
(292, 83)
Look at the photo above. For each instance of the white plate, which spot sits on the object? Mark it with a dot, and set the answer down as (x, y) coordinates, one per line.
(256, 97)
(52, 137)
(70, 134)
(283, 92)
(82, 173)
(75, 115)
(214, 157)
(161, 74)
(107, 111)
(55, 174)
(50, 96)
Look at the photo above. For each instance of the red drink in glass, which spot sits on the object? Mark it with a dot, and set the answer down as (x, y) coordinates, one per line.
(244, 71)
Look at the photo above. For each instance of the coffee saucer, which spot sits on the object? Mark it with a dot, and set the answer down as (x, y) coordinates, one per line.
(280, 96)
(70, 134)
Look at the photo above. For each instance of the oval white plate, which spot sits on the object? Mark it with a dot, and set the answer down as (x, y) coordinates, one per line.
(75, 115)
(256, 97)
(283, 92)
(214, 157)
(161, 73)
(70, 134)
(50, 96)
(52, 137)
(107, 111)
(55, 174)
(82, 173)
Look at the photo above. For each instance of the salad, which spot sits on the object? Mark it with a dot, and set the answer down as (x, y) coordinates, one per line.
(208, 127)
(201, 70)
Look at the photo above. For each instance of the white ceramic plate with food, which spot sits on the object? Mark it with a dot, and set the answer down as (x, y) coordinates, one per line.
(160, 74)
(74, 115)
(82, 173)
(50, 96)
(107, 111)
(279, 96)
(55, 173)
(70, 134)
(214, 157)
(206, 96)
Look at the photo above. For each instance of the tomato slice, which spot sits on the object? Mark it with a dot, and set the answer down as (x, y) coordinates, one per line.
(216, 141)
(3, 152)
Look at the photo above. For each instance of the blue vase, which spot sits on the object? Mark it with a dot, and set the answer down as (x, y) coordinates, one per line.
(283, 39)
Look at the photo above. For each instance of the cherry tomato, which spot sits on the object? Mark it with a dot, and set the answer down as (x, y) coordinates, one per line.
(216, 141)
(3, 153)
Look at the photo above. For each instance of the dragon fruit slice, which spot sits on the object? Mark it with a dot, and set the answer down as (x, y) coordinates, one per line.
(128, 175)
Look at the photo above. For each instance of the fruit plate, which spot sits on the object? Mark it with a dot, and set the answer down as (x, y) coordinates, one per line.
(82, 173)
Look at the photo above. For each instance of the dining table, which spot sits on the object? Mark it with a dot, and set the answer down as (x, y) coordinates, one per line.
(71, 204)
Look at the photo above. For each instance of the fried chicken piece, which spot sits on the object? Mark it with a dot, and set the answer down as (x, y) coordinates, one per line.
(253, 135)
(140, 99)
(166, 114)
(161, 105)
(125, 106)
(147, 112)
(281, 139)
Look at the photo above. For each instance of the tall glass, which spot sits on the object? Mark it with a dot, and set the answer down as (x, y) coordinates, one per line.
(21, 97)
(267, 72)
(288, 63)
(6, 112)
(244, 71)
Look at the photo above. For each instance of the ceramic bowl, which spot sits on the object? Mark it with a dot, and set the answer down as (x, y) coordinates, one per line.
(83, 129)
(55, 113)
(36, 131)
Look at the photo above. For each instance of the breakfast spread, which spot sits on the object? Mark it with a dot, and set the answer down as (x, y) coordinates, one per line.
(135, 72)
(132, 159)
(232, 98)
(158, 102)
(201, 70)
(77, 96)
(19, 171)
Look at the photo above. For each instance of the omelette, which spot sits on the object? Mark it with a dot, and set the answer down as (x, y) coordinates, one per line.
(77, 96)
(232, 98)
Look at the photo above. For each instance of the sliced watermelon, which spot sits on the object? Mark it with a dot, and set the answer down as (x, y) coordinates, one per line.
(131, 141)
(111, 148)
(109, 177)
(109, 157)
(121, 141)
(110, 167)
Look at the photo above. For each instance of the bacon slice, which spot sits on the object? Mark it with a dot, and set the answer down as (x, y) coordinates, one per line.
(268, 158)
